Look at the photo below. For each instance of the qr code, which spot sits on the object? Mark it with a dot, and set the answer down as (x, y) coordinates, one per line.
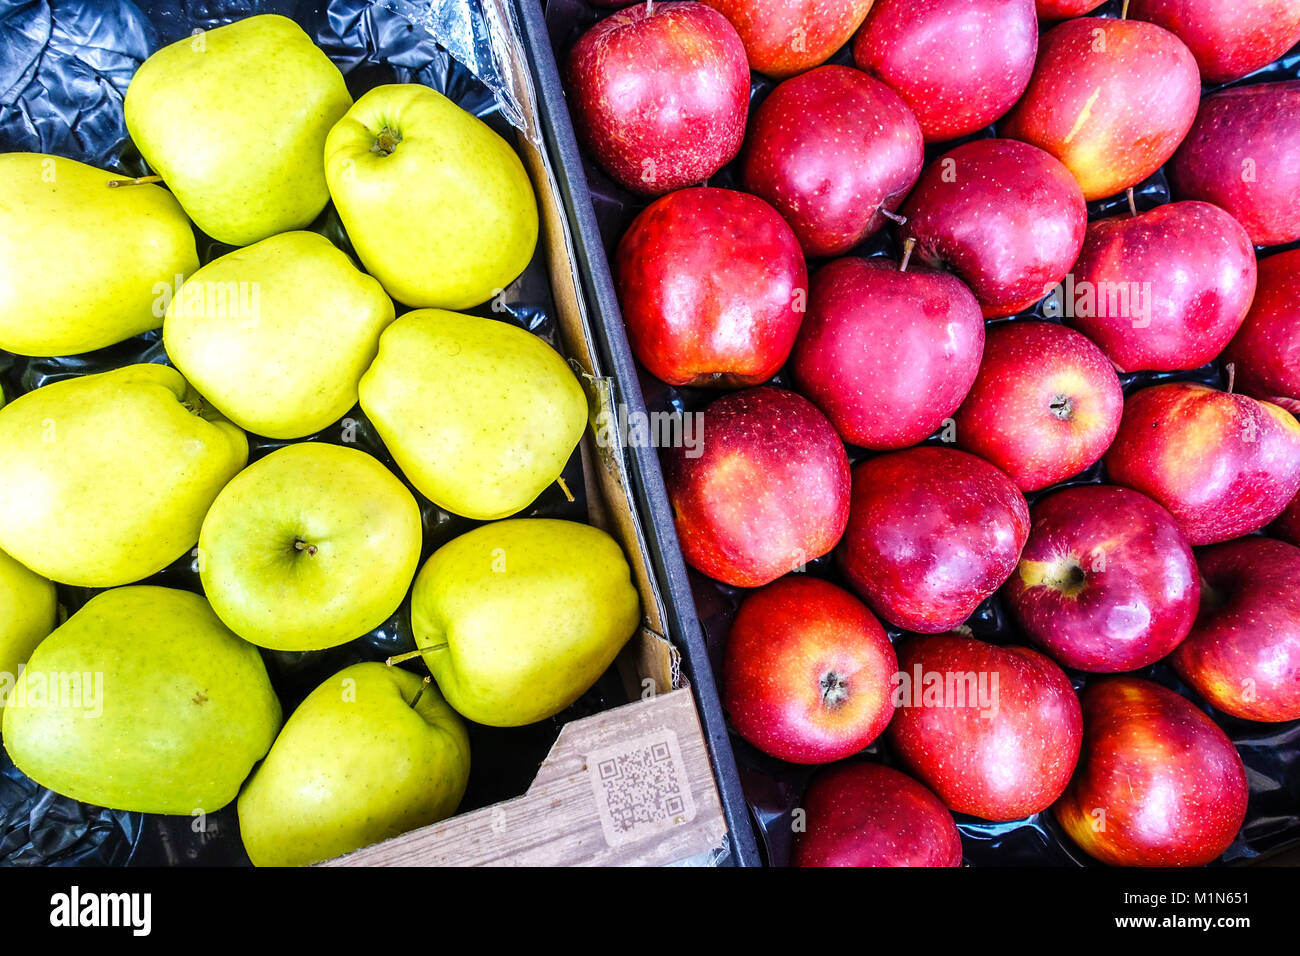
(640, 788)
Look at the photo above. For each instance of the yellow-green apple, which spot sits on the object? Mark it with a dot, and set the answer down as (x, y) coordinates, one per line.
(277, 335)
(835, 151)
(312, 546)
(371, 753)
(660, 94)
(1229, 38)
(143, 701)
(767, 492)
(866, 814)
(105, 478)
(1223, 464)
(1107, 581)
(994, 731)
(1045, 405)
(785, 37)
(1240, 154)
(959, 65)
(517, 619)
(479, 414)
(28, 608)
(82, 264)
(888, 354)
(713, 287)
(1006, 217)
(1158, 784)
(1243, 654)
(1164, 290)
(1111, 99)
(1265, 352)
(437, 206)
(1060, 9)
(808, 674)
(932, 532)
(234, 120)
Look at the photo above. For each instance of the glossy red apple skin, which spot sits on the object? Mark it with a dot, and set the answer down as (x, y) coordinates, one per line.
(1241, 154)
(808, 672)
(932, 532)
(785, 37)
(1060, 9)
(1158, 783)
(768, 493)
(1111, 99)
(1045, 405)
(1287, 525)
(1224, 465)
(712, 284)
(886, 354)
(867, 814)
(1002, 762)
(1005, 216)
(1107, 581)
(1243, 654)
(1229, 38)
(958, 64)
(622, 71)
(828, 149)
(1197, 267)
(1265, 353)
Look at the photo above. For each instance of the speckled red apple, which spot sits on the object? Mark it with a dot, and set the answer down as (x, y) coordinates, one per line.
(808, 672)
(1060, 9)
(1005, 216)
(785, 37)
(1107, 582)
(1045, 405)
(829, 149)
(1164, 290)
(866, 814)
(887, 354)
(1287, 525)
(958, 64)
(1265, 353)
(1158, 783)
(1229, 38)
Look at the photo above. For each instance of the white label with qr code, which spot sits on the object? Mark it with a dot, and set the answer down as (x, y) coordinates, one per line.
(641, 787)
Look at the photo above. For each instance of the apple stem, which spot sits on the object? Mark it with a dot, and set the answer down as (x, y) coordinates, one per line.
(908, 246)
(565, 488)
(1132, 202)
(138, 181)
(892, 216)
(649, 7)
(301, 545)
(420, 693)
(386, 141)
(1231, 369)
(411, 655)
(1123, 13)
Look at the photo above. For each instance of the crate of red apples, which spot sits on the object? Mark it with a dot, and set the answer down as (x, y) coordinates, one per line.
(982, 319)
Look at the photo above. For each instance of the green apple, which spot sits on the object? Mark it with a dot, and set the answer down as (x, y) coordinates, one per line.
(142, 700)
(310, 547)
(480, 415)
(28, 606)
(371, 753)
(83, 264)
(105, 479)
(277, 335)
(518, 618)
(437, 205)
(234, 120)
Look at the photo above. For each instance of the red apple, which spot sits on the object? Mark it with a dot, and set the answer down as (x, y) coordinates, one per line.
(785, 37)
(1164, 290)
(1287, 525)
(1111, 99)
(1241, 154)
(1158, 784)
(1265, 353)
(1060, 9)
(1045, 405)
(1224, 465)
(932, 532)
(767, 492)
(886, 354)
(623, 71)
(808, 672)
(712, 284)
(959, 64)
(994, 731)
(1243, 655)
(1005, 216)
(1229, 38)
(1106, 582)
(830, 149)
(866, 814)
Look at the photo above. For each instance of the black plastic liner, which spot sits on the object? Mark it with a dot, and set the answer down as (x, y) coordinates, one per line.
(773, 788)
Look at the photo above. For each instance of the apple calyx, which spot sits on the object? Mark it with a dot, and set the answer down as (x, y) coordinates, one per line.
(1062, 407)
(835, 689)
(386, 141)
(301, 545)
